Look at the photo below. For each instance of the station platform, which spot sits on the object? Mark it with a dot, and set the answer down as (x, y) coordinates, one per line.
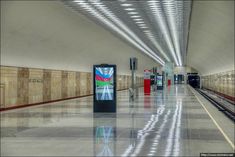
(177, 121)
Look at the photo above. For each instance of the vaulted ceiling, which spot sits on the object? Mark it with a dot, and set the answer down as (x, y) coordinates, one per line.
(56, 34)
(157, 28)
(47, 34)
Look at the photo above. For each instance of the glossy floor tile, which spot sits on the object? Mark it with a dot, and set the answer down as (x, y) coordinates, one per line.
(167, 123)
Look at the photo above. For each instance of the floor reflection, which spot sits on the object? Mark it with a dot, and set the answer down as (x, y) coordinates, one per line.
(168, 122)
(104, 134)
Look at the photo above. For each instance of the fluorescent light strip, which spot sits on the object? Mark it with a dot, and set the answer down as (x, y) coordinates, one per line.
(126, 5)
(127, 30)
(132, 13)
(138, 19)
(163, 26)
(144, 27)
(135, 16)
(153, 40)
(139, 22)
(169, 7)
(129, 9)
(115, 28)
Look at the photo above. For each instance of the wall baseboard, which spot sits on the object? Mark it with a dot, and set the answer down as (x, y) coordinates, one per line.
(45, 102)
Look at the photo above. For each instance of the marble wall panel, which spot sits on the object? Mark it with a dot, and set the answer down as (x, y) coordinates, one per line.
(78, 83)
(56, 85)
(64, 84)
(83, 83)
(137, 81)
(124, 82)
(35, 85)
(71, 84)
(129, 82)
(46, 85)
(231, 82)
(221, 82)
(23, 86)
(89, 83)
(119, 82)
(2, 95)
(8, 86)
(20, 86)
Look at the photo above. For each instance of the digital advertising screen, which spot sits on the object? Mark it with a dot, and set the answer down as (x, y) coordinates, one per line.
(159, 80)
(104, 83)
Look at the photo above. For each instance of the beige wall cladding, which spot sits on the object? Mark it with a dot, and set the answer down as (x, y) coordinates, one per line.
(2, 95)
(231, 81)
(23, 86)
(35, 85)
(71, 84)
(46, 85)
(221, 82)
(129, 81)
(77, 83)
(125, 82)
(56, 85)
(64, 84)
(9, 86)
(83, 83)
(118, 82)
(89, 84)
(20, 86)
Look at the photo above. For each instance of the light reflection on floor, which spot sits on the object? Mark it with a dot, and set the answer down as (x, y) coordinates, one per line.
(167, 123)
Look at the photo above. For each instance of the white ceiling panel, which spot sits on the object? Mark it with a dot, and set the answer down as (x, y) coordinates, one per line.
(46, 34)
(211, 37)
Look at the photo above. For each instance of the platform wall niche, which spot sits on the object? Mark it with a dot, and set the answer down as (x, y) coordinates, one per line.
(23, 86)
(221, 83)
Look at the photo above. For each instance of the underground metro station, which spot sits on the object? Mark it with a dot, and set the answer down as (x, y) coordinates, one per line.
(117, 78)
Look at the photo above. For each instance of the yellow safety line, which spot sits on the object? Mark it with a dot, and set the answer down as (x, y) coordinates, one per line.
(220, 129)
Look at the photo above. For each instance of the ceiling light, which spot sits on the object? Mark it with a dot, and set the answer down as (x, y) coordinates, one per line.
(138, 19)
(158, 14)
(135, 16)
(142, 24)
(132, 13)
(171, 11)
(143, 27)
(139, 22)
(130, 9)
(103, 14)
(126, 5)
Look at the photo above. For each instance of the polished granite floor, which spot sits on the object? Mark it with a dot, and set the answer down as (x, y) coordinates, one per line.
(167, 123)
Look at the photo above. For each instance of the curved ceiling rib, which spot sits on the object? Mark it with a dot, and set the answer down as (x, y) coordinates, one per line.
(154, 27)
